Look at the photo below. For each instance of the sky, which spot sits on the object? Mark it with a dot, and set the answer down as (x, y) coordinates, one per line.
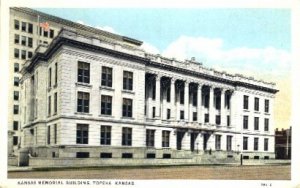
(254, 42)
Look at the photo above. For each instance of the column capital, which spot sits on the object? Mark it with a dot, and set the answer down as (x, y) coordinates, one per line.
(158, 76)
(173, 80)
(187, 81)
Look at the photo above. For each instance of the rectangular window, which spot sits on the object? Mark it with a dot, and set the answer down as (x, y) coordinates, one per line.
(267, 106)
(16, 109)
(45, 33)
(30, 28)
(49, 105)
(218, 142)
(256, 104)
(266, 144)
(165, 138)
(246, 102)
(245, 143)
(23, 54)
(17, 24)
(195, 116)
(206, 118)
(16, 81)
(168, 113)
(29, 54)
(23, 26)
(218, 102)
(228, 120)
(229, 143)
(17, 53)
(255, 144)
(82, 134)
(17, 39)
(83, 72)
(194, 98)
(55, 133)
(181, 114)
(16, 67)
(218, 119)
(169, 94)
(55, 103)
(206, 100)
(49, 77)
(127, 80)
(245, 122)
(16, 95)
(105, 135)
(150, 156)
(51, 33)
(150, 135)
(105, 155)
(126, 136)
(227, 101)
(106, 79)
(82, 154)
(55, 76)
(106, 105)
(15, 140)
(23, 40)
(127, 155)
(256, 123)
(83, 102)
(48, 135)
(181, 96)
(16, 125)
(127, 107)
(41, 29)
(29, 42)
(266, 124)
(153, 112)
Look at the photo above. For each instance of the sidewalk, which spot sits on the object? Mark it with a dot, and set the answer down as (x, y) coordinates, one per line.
(18, 168)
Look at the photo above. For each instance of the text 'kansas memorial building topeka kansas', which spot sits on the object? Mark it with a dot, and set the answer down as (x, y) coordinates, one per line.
(92, 94)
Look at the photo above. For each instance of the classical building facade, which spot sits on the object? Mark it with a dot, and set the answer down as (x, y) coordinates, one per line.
(86, 97)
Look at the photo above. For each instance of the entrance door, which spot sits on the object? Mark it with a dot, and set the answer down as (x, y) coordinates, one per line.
(179, 140)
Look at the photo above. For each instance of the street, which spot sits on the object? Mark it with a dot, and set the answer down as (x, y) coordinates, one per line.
(272, 172)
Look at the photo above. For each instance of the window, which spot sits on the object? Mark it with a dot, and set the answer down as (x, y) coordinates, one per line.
(266, 124)
(245, 143)
(181, 96)
(55, 133)
(245, 122)
(82, 154)
(49, 78)
(255, 144)
(106, 77)
(166, 156)
(16, 125)
(169, 94)
(16, 109)
(228, 120)
(16, 67)
(15, 140)
(51, 33)
(17, 39)
(83, 72)
(45, 33)
(16, 81)
(23, 26)
(168, 113)
(153, 91)
(82, 134)
(105, 135)
(256, 123)
(49, 105)
(106, 104)
(194, 116)
(30, 28)
(29, 54)
(127, 80)
(267, 106)
(266, 144)
(227, 101)
(246, 102)
(153, 112)
(206, 118)
(23, 54)
(218, 102)
(105, 155)
(206, 100)
(127, 155)
(181, 114)
(126, 136)
(256, 104)
(40, 31)
(194, 98)
(48, 135)
(218, 142)
(29, 42)
(16, 95)
(165, 138)
(83, 102)
(218, 119)
(23, 40)
(55, 103)
(150, 156)
(17, 24)
(127, 107)
(229, 143)
(150, 134)
(55, 76)
(17, 53)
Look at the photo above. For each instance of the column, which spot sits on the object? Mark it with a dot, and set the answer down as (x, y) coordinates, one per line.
(186, 100)
(211, 106)
(199, 103)
(157, 97)
(223, 114)
(172, 98)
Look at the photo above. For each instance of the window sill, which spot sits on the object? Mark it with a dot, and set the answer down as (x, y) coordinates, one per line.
(107, 88)
(106, 116)
(83, 84)
(49, 89)
(130, 118)
(246, 110)
(128, 91)
(82, 113)
(267, 114)
(256, 112)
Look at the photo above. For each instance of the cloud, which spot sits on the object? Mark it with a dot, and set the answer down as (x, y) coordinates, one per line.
(104, 28)
(150, 48)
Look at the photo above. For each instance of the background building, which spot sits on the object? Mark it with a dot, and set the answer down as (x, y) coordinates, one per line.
(283, 143)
